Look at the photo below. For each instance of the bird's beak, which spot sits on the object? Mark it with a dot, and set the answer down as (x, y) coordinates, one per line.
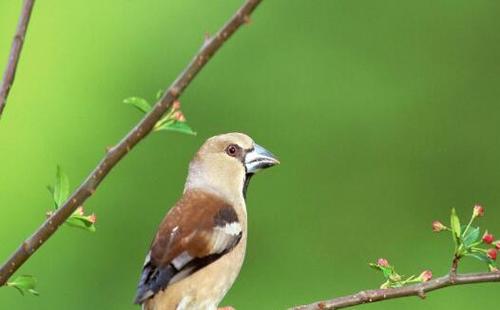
(259, 158)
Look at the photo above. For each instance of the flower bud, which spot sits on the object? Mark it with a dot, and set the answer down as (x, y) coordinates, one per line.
(79, 211)
(176, 105)
(383, 262)
(437, 226)
(488, 238)
(179, 116)
(492, 253)
(497, 244)
(425, 276)
(478, 211)
(92, 218)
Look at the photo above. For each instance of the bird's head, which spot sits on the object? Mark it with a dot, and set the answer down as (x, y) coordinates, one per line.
(226, 162)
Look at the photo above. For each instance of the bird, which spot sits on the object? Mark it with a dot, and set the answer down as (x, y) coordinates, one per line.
(199, 248)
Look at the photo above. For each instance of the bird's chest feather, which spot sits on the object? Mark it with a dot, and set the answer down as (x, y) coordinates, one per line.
(212, 283)
(204, 289)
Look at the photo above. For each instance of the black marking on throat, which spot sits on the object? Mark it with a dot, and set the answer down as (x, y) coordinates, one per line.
(248, 176)
(246, 182)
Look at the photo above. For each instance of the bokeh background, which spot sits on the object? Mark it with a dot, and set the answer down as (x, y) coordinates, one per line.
(385, 115)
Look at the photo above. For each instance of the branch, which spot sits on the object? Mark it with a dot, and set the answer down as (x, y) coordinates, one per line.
(15, 52)
(419, 290)
(139, 132)
(453, 270)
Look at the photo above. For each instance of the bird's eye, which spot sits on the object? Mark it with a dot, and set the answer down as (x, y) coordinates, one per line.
(232, 150)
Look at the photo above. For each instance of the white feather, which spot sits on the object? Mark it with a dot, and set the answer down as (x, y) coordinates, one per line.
(181, 260)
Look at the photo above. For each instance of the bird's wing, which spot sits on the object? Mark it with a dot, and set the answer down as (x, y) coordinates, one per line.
(197, 231)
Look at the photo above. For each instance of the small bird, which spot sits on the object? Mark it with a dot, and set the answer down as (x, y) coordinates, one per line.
(200, 245)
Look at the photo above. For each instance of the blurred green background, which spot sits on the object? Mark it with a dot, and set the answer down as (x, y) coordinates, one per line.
(385, 114)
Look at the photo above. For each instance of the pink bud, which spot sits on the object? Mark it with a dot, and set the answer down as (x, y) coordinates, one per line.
(497, 244)
(437, 226)
(492, 253)
(426, 276)
(176, 105)
(179, 116)
(383, 262)
(488, 238)
(79, 211)
(92, 218)
(478, 211)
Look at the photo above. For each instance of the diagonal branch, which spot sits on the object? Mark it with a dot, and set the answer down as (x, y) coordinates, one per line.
(419, 290)
(15, 52)
(139, 132)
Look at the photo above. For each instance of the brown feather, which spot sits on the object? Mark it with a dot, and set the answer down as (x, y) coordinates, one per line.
(188, 227)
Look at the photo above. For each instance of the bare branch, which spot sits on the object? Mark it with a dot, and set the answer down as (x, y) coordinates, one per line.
(15, 53)
(116, 153)
(419, 290)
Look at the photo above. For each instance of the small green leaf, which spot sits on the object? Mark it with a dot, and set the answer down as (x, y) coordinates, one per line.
(50, 188)
(159, 93)
(140, 103)
(480, 256)
(387, 272)
(181, 127)
(410, 279)
(455, 226)
(24, 284)
(61, 188)
(386, 285)
(165, 121)
(81, 221)
(471, 236)
(392, 275)
(375, 266)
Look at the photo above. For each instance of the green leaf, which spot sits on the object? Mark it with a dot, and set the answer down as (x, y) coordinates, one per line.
(471, 236)
(61, 188)
(24, 284)
(50, 188)
(480, 256)
(159, 93)
(455, 226)
(181, 127)
(388, 272)
(81, 221)
(386, 285)
(375, 266)
(140, 103)
(410, 279)
(165, 121)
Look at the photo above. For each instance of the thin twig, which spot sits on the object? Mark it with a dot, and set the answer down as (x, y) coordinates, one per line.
(139, 132)
(413, 290)
(15, 53)
(454, 267)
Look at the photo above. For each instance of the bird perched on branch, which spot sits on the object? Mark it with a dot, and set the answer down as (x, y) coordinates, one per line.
(200, 245)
